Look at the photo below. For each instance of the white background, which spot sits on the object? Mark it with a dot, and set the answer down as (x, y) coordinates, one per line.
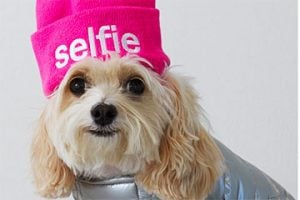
(242, 54)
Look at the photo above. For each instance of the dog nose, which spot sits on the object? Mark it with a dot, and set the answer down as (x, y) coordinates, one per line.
(104, 114)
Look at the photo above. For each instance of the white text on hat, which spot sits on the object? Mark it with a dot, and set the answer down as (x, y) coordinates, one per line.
(78, 48)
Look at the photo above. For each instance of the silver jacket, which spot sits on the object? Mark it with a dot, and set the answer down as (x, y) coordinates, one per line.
(241, 180)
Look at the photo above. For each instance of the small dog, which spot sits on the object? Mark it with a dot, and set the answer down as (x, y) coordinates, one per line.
(118, 118)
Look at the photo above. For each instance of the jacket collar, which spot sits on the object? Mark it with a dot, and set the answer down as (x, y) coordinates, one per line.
(123, 188)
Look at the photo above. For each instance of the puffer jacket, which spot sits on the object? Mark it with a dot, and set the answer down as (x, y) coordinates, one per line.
(241, 180)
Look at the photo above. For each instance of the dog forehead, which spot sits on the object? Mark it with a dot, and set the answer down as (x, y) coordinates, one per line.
(105, 71)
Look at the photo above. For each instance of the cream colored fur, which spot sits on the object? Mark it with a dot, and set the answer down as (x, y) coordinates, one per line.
(160, 140)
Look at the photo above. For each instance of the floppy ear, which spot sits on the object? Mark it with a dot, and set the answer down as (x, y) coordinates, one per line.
(52, 177)
(190, 160)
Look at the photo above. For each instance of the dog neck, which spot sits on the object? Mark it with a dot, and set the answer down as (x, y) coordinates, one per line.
(107, 172)
(103, 172)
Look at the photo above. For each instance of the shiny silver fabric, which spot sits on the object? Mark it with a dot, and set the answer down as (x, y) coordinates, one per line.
(240, 181)
(123, 188)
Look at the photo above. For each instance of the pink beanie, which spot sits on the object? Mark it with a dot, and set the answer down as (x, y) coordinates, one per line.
(70, 30)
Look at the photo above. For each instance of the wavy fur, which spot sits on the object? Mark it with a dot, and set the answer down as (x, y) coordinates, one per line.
(52, 177)
(190, 162)
(160, 138)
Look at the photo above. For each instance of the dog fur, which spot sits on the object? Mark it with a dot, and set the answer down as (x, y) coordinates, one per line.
(159, 137)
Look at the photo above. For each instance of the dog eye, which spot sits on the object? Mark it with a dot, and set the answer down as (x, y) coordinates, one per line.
(135, 86)
(77, 86)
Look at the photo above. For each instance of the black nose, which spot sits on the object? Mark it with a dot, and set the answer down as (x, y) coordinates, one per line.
(104, 114)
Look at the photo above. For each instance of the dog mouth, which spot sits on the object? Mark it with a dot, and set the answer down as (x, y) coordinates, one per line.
(103, 132)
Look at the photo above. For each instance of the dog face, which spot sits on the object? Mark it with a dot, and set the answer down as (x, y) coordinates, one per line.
(108, 113)
(117, 117)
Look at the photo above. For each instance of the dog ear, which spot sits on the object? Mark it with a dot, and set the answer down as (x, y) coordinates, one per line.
(190, 162)
(52, 177)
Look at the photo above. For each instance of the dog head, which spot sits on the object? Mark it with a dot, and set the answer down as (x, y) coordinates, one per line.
(117, 117)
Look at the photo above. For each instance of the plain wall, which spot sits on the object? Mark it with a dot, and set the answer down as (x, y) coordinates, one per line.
(241, 53)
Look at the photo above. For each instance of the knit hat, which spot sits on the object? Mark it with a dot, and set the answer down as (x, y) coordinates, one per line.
(70, 30)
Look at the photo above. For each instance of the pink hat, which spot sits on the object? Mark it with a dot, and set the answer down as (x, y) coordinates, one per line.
(70, 30)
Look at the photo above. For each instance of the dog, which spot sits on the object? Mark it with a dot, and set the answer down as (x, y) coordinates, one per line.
(115, 117)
